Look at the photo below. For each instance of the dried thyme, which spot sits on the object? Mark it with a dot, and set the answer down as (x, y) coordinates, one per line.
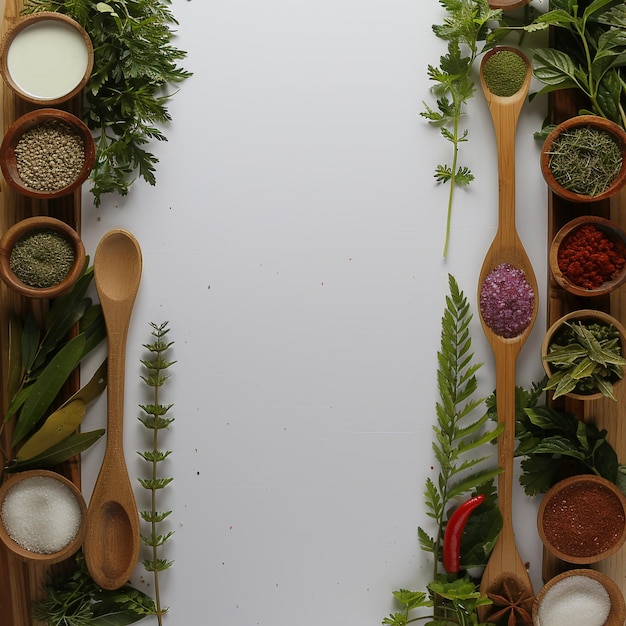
(42, 258)
(585, 160)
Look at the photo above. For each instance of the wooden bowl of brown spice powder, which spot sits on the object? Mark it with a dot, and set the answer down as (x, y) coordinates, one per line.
(47, 153)
(41, 257)
(582, 519)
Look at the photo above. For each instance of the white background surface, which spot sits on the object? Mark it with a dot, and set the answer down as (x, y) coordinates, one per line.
(294, 242)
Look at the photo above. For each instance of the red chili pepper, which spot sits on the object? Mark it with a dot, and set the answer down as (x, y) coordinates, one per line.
(454, 530)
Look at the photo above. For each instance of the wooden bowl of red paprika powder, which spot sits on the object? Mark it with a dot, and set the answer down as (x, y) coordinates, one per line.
(588, 256)
(582, 519)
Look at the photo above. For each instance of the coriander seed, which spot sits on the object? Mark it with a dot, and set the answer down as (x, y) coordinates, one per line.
(49, 156)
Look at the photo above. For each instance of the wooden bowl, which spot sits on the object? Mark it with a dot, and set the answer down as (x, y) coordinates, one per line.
(46, 58)
(507, 5)
(617, 613)
(601, 516)
(33, 224)
(18, 481)
(583, 315)
(611, 230)
(34, 119)
(582, 121)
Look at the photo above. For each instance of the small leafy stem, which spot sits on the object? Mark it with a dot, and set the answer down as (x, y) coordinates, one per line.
(465, 25)
(155, 419)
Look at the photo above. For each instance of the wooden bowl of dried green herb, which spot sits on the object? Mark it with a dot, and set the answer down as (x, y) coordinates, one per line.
(47, 153)
(41, 257)
(584, 159)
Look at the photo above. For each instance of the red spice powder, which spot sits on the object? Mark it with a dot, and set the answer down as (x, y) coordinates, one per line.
(588, 258)
(583, 520)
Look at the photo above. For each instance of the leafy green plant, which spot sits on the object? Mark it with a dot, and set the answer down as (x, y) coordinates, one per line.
(135, 62)
(78, 601)
(555, 444)
(459, 435)
(155, 419)
(42, 357)
(467, 22)
(591, 54)
(585, 358)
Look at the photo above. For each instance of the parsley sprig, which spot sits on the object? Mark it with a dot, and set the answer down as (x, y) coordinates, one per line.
(467, 23)
(135, 61)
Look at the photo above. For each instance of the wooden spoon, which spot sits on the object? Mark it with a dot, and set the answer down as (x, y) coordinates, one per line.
(505, 561)
(112, 539)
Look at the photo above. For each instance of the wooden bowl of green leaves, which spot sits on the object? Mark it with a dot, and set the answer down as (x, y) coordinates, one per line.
(41, 257)
(584, 159)
(583, 354)
(47, 153)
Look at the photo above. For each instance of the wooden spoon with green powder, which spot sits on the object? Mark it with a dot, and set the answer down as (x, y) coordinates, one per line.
(505, 78)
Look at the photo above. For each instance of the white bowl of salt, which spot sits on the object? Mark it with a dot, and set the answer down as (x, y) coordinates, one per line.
(42, 516)
(579, 597)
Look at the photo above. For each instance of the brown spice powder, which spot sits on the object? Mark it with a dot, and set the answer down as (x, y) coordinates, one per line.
(583, 520)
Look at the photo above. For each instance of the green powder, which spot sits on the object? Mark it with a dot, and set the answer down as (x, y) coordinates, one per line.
(42, 258)
(504, 73)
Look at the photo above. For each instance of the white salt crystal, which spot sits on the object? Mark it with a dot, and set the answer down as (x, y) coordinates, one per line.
(41, 514)
(575, 601)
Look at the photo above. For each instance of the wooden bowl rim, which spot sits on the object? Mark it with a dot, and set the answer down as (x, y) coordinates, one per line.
(581, 314)
(507, 5)
(565, 483)
(70, 548)
(29, 120)
(617, 614)
(7, 241)
(619, 135)
(609, 228)
(23, 22)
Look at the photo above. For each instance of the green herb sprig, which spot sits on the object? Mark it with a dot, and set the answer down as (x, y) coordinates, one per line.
(78, 601)
(465, 25)
(591, 56)
(458, 437)
(555, 444)
(155, 419)
(135, 62)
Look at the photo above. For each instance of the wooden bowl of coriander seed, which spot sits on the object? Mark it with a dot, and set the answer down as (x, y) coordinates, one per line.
(47, 153)
(41, 257)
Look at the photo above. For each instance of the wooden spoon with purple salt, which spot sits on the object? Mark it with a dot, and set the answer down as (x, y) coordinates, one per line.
(507, 293)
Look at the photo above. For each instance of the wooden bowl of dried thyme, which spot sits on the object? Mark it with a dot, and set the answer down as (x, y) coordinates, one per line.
(47, 153)
(41, 257)
(583, 159)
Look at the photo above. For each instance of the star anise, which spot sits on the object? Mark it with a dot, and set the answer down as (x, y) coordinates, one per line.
(512, 605)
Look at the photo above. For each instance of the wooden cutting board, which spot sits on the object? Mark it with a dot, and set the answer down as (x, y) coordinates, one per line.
(19, 582)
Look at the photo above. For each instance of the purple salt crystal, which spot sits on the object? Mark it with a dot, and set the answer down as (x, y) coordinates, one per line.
(507, 301)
